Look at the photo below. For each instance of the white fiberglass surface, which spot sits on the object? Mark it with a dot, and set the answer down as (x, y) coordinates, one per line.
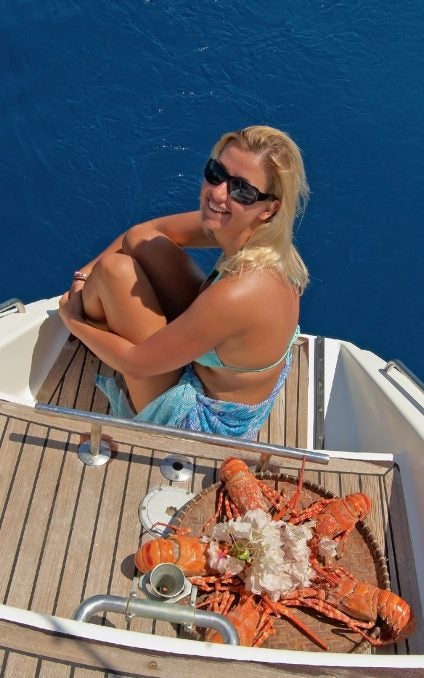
(29, 345)
(370, 410)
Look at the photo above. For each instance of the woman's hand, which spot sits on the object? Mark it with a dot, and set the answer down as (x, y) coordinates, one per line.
(71, 308)
(76, 286)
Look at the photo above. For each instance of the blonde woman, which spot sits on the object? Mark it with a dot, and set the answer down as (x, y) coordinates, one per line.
(203, 354)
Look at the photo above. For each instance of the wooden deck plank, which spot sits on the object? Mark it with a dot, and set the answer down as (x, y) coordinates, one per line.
(80, 541)
(55, 558)
(49, 391)
(49, 669)
(37, 520)
(103, 562)
(100, 403)
(303, 386)
(401, 561)
(85, 673)
(331, 482)
(287, 424)
(18, 501)
(205, 473)
(377, 517)
(3, 427)
(350, 483)
(129, 528)
(85, 395)
(291, 401)
(14, 430)
(69, 387)
(21, 665)
(263, 435)
(277, 419)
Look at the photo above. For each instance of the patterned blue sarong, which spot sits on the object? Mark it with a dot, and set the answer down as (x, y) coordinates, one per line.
(186, 406)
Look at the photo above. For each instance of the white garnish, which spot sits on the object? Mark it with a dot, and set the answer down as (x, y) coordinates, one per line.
(327, 548)
(269, 556)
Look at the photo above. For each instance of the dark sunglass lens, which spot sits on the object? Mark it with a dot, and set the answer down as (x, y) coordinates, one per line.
(213, 173)
(243, 193)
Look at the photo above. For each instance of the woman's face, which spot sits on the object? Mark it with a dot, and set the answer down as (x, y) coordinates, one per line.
(229, 221)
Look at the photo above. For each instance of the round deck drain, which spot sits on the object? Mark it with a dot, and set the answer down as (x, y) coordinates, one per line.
(176, 467)
(160, 505)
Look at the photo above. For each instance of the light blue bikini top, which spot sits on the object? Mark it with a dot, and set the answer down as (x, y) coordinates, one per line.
(212, 359)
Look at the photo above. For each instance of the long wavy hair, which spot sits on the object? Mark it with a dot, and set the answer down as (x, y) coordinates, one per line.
(271, 245)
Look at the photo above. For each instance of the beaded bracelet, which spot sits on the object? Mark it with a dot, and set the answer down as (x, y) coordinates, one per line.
(78, 275)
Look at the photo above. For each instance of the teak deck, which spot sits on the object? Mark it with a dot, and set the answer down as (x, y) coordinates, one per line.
(68, 531)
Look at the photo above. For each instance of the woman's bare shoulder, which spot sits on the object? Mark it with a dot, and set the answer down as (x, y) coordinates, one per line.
(254, 297)
(265, 285)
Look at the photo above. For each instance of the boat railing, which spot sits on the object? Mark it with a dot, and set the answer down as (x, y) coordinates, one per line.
(95, 452)
(151, 609)
(403, 369)
(11, 306)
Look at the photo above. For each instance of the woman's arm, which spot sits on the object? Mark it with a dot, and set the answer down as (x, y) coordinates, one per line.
(155, 238)
(183, 229)
(206, 323)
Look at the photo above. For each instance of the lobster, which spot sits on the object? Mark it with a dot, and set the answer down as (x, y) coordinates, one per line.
(334, 518)
(358, 604)
(182, 550)
(242, 491)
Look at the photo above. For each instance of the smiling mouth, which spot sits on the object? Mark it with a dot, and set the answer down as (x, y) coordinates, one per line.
(215, 208)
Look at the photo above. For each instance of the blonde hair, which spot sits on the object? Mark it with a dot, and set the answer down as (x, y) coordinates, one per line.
(271, 245)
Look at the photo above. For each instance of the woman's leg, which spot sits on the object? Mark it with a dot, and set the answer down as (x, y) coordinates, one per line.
(119, 297)
(174, 276)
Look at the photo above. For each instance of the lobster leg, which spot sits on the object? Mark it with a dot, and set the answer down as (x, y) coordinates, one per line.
(231, 510)
(330, 611)
(275, 498)
(265, 631)
(217, 583)
(214, 517)
(280, 609)
(221, 602)
(177, 530)
(311, 511)
(290, 506)
(295, 498)
(376, 642)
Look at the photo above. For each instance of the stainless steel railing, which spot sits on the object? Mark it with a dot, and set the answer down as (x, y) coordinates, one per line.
(151, 609)
(401, 367)
(11, 306)
(99, 420)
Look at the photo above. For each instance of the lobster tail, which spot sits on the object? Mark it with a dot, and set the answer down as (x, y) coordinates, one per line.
(397, 616)
(186, 552)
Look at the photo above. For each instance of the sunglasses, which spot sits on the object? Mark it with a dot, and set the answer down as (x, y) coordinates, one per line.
(239, 189)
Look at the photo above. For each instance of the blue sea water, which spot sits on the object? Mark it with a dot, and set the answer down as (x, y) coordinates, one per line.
(109, 110)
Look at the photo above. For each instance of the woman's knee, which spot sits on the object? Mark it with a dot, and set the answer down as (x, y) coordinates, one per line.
(134, 238)
(114, 266)
(113, 274)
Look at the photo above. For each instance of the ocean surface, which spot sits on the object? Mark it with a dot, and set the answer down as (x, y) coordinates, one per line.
(110, 109)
